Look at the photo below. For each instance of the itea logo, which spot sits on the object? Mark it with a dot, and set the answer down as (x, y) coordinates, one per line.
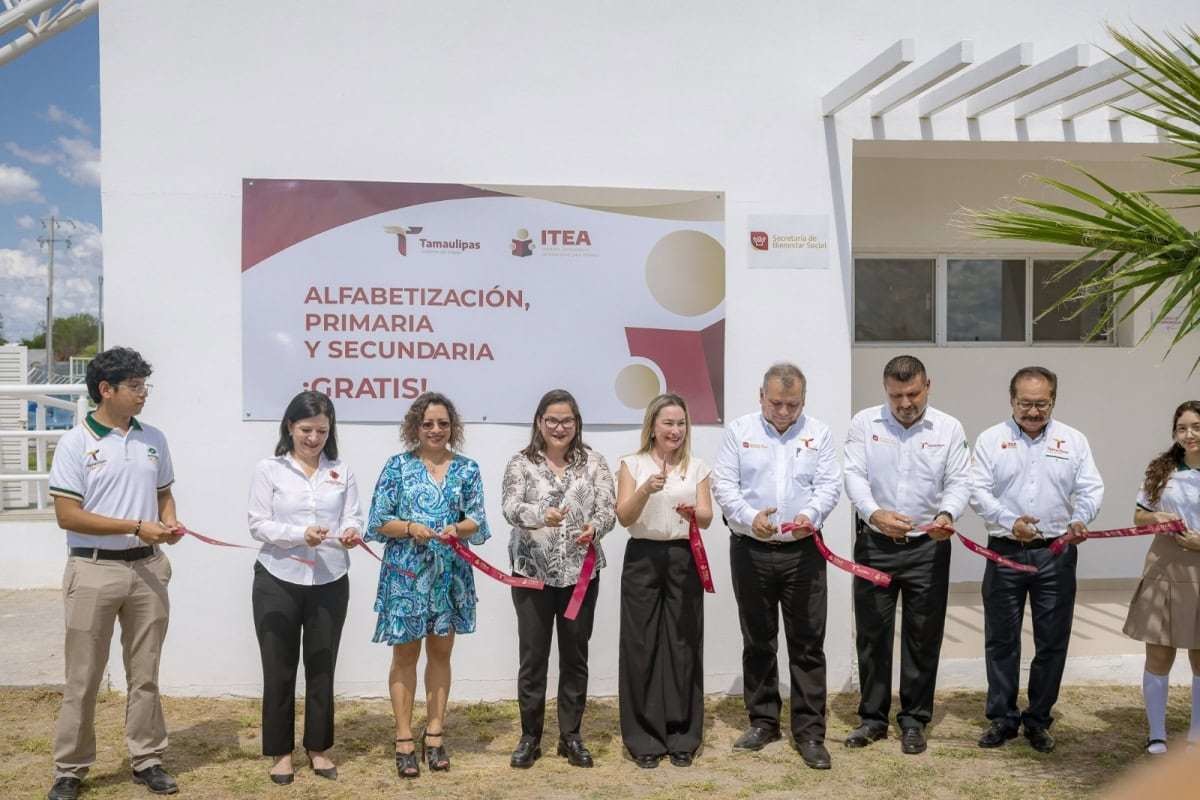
(402, 232)
(522, 244)
(759, 240)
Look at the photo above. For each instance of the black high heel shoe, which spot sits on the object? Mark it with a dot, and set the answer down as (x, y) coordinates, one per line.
(406, 763)
(329, 773)
(434, 755)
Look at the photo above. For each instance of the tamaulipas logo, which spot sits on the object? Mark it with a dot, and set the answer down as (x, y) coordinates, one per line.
(402, 232)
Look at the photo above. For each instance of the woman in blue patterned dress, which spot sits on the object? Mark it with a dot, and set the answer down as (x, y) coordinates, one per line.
(426, 592)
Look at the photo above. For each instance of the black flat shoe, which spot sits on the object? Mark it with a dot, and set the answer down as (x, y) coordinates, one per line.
(1039, 739)
(1151, 742)
(912, 741)
(66, 788)
(282, 778)
(407, 765)
(573, 750)
(997, 734)
(646, 762)
(528, 750)
(864, 735)
(156, 779)
(814, 754)
(681, 759)
(756, 738)
(434, 755)
(328, 773)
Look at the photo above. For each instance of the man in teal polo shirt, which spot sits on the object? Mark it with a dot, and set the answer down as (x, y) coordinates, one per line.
(111, 482)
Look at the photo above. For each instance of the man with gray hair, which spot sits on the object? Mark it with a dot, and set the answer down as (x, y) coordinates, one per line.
(779, 465)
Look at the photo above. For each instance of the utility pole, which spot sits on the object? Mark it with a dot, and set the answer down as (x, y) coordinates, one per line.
(51, 224)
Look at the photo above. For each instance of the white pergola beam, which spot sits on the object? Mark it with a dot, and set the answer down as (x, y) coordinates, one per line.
(1097, 98)
(1139, 102)
(22, 12)
(993, 70)
(68, 17)
(932, 72)
(882, 67)
(1072, 86)
(1067, 62)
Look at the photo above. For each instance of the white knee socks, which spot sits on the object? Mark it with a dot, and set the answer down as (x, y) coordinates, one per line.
(1154, 690)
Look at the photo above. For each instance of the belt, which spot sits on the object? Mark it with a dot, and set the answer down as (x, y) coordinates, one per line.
(772, 544)
(1004, 542)
(97, 553)
(865, 529)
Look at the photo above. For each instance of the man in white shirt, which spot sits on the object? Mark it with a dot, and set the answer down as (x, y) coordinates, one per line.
(1034, 480)
(778, 466)
(907, 465)
(111, 482)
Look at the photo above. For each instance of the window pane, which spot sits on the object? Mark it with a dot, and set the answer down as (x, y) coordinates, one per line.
(1055, 328)
(985, 300)
(893, 299)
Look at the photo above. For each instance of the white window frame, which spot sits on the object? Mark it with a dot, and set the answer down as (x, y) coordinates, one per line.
(941, 291)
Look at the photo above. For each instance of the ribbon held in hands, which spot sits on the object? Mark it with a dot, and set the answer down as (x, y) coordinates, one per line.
(465, 553)
(1059, 545)
(980, 550)
(581, 585)
(871, 574)
(699, 555)
(219, 543)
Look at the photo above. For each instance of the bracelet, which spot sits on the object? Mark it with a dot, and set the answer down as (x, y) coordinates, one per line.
(407, 528)
(137, 528)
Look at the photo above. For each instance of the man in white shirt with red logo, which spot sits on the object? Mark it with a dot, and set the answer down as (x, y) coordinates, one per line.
(778, 466)
(907, 466)
(1034, 481)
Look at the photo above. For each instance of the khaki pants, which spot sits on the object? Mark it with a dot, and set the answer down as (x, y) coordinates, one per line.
(96, 593)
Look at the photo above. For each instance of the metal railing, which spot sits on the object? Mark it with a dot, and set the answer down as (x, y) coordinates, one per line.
(41, 395)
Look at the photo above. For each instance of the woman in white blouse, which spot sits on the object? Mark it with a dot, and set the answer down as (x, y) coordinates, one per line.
(304, 510)
(661, 676)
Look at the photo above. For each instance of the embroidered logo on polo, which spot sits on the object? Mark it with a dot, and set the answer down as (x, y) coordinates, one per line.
(808, 444)
(753, 446)
(93, 459)
(1058, 450)
(875, 437)
(152, 454)
(1006, 445)
(932, 445)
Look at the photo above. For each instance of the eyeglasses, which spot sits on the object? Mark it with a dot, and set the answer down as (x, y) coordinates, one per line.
(142, 389)
(1182, 429)
(566, 423)
(440, 424)
(1040, 405)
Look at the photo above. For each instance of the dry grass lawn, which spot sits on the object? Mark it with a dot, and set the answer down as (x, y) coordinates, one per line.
(215, 754)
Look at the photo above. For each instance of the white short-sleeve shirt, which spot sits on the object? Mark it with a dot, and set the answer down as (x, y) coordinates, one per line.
(659, 519)
(112, 474)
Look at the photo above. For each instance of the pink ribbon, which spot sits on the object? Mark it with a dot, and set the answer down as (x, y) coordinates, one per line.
(465, 553)
(219, 543)
(581, 585)
(871, 574)
(363, 544)
(1059, 545)
(699, 555)
(980, 550)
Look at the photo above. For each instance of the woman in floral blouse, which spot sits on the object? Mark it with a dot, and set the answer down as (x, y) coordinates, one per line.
(425, 592)
(559, 498)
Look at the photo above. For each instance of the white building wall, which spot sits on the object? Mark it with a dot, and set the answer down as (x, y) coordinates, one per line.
(703, 95)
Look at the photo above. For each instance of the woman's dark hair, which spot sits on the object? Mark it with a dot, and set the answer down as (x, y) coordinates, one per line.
(112, 366)
(303, 406)
(410, 429)
(1160, 469)
(576, 450)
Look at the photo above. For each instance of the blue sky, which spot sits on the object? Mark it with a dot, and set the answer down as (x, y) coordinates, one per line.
(50, 163)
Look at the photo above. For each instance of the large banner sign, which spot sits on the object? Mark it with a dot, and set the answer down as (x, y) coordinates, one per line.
(376, 292)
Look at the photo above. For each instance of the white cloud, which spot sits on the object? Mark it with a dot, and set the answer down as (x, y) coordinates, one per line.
(25, 221)
(23, 278)
(17, 185)
(40, 157)
(81, 163)
(56, 114)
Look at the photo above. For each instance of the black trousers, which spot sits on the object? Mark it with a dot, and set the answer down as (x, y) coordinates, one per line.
(1051, 593)
(539, 613)
(920, 573)
(766, 579)
(288, 616)
(661, 664)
